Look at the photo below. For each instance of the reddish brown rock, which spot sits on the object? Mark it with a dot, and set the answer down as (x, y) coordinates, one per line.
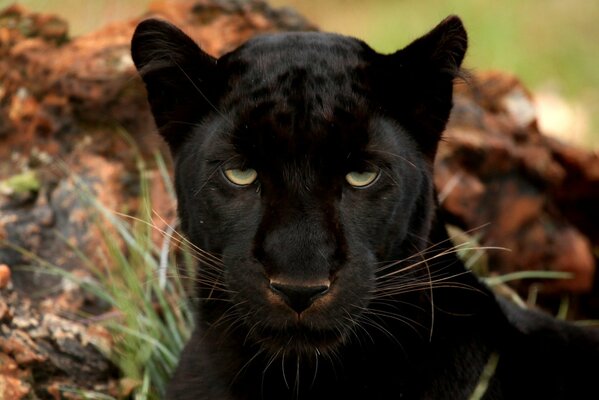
(54, 349)
(54, 88)
(13, 381)
(516, 188)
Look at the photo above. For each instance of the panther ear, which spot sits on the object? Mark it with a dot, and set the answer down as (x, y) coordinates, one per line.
(179, 77)
(419, 86)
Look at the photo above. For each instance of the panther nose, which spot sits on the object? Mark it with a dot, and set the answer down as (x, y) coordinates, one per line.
(297, 297)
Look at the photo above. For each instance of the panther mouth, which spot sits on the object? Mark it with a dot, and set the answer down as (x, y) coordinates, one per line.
(300, 339)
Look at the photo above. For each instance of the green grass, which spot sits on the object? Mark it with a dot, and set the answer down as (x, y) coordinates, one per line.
(154, 318)
(151, 315)
(22, 183)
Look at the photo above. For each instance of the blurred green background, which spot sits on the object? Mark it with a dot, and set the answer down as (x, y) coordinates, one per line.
(552, 45)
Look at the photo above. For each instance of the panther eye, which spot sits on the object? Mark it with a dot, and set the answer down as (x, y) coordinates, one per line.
(361, 179)
(241, 177)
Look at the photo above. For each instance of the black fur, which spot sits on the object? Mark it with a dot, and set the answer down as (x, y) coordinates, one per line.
(401, 318)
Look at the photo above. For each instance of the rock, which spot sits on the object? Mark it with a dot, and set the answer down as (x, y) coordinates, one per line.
(56, 90)
(13, 381)
(500, 177)
(55, 350)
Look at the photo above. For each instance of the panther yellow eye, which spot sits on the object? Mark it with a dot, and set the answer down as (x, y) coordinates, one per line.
(241, 177)
(361, 179)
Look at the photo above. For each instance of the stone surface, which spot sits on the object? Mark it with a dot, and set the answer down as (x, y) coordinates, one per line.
(501, 178)
(40, 352)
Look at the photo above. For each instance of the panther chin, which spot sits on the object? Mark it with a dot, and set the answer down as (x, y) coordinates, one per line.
(299, 340)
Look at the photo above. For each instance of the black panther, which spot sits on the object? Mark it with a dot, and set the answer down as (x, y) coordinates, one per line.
(303, 170)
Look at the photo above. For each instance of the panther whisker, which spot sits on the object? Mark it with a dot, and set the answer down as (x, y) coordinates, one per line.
(432, 300)
(416, 276)
(391, 302)
(206, 98)
(205, 276)
(186, 241)
(398, 317)
(333, 356)
(420, 283)
(436, 256)
(353, 325)
(283, 366)
(214, 171)
(419, 256)
(193, 124)
(432, 248)
(240, 371)
(392, 293)
(296, 384)
(218, 286)
(233, 311)
(364, 319)
(198, 254)
(435, 247)
(213, 299)
(250, 331)
(273, 357)
(316, 356)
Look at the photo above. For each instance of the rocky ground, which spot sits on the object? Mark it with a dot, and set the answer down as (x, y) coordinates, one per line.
(65, 104)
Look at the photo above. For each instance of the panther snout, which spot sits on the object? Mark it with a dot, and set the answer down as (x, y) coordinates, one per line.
(299, 297)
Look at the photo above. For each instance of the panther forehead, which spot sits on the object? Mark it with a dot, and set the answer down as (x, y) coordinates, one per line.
(326, 51)
(302, 90)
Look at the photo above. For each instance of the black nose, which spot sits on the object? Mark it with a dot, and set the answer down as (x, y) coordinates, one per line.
(299, 297)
